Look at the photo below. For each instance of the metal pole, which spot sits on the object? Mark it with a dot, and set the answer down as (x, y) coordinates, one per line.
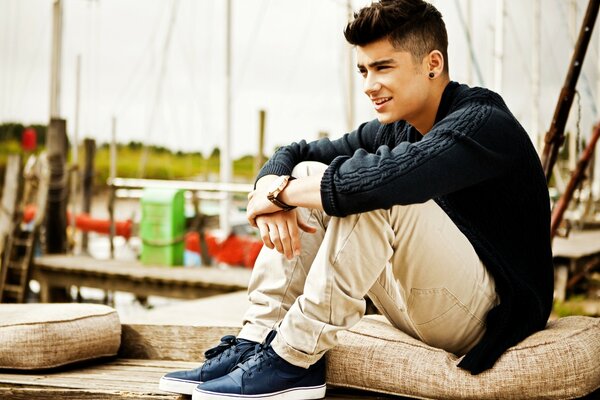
(225, 154)
(113, 175)
(75, 145)
(572, 134)
(596, 171)
(260, 156)
(499, 46)
(74, 197)
(555, 136)
(535, 76)
(55, 63)
(469, 27)
(351, 74)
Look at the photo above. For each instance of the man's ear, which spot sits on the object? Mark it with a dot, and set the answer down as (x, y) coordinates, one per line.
(435, 63)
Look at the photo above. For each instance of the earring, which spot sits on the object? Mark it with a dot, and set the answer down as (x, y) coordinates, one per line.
(431, 75)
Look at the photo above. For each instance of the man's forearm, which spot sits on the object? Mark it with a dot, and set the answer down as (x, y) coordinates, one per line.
(303, 192)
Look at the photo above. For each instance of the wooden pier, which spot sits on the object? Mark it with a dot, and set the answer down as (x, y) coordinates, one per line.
(61, 271)
(147, 352)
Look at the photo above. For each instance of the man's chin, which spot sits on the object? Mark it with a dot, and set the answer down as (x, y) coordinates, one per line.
(386, 119)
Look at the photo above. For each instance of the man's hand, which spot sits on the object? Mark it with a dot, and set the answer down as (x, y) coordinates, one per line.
(259, 204)
(281, 230)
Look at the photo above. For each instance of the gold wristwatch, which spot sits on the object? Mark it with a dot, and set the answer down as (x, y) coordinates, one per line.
(275, 188)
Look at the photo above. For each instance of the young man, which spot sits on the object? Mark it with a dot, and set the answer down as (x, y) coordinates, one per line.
(438, 211)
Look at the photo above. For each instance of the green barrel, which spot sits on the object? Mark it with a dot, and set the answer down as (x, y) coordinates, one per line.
(162, 228)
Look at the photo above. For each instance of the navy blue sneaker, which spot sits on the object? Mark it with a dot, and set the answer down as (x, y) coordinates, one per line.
(265, 375)
(220, 360)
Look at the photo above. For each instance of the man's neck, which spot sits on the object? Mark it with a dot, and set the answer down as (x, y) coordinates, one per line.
(426, 119)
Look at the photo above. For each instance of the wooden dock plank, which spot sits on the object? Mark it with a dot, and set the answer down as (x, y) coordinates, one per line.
(177, 343)
(132, 276)
(120, 378)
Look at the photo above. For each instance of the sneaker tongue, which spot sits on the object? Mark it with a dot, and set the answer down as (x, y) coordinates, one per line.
(270, 338)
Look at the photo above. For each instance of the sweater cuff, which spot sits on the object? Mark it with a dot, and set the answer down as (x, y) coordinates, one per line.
(328, 195)
(272, 169)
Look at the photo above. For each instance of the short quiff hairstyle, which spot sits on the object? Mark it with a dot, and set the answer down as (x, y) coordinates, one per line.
(411, 25)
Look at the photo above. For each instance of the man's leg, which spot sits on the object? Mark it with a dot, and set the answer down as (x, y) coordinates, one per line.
(276, 282)
(435, 288)
(274, 285)
(416, 266)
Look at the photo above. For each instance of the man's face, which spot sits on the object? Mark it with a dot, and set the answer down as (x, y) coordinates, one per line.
(397, 87)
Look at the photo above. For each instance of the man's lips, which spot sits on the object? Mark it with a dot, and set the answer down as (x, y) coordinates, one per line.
(380, 102)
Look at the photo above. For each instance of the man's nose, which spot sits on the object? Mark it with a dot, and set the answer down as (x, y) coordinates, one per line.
(371, 86)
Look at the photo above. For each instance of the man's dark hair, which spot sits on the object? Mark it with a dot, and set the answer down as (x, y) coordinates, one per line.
(411, 25)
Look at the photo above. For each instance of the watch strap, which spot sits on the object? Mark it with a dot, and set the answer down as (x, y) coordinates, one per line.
(279, 203)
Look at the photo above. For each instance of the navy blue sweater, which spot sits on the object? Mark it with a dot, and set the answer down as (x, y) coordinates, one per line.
(479, 165)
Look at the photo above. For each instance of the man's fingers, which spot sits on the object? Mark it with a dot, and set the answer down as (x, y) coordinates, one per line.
(274, 236)
(294, 237)
(306, 227)
(264, 234)
(285, 238)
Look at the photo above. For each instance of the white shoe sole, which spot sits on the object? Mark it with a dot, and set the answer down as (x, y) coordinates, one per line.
(177, 385)
(302, 393)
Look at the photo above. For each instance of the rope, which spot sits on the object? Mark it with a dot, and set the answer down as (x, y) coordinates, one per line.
(163, 242)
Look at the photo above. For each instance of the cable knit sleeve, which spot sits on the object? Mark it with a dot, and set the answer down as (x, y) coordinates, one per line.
(478, 140)
(324, 150)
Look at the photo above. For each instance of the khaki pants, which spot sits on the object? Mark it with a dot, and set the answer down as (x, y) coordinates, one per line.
(419, 270)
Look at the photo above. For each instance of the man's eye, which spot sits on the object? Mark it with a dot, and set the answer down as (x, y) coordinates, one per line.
(382, 67)
(362, 72)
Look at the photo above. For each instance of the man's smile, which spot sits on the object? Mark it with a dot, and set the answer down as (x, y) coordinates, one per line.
(380, 102)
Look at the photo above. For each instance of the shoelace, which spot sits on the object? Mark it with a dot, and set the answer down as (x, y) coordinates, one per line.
(261, 356)
(226, 343)
(225, 347)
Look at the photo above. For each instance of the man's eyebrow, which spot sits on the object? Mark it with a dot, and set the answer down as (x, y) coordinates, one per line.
(378, 63)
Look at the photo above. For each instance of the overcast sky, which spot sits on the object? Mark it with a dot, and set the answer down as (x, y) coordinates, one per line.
(289, 58)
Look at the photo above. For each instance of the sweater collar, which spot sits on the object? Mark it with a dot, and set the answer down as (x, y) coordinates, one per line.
(446, 101)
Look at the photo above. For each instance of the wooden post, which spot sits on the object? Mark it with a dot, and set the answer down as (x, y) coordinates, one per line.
(88, 185)
(56, 211)
(555, 136)
(259, 160)
(10, 196)
(56, 205)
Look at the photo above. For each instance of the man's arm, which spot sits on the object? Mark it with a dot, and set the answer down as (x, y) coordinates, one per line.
(473, 144)
(280, 229)
(302, 192)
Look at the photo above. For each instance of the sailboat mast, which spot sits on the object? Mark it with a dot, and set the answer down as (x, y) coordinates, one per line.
(499, 46)
(225, 154)
(535, 75)
(351, 69)
(56, 57)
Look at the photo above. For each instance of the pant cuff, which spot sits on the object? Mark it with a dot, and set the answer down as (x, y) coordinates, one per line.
(292, 355)
(256, 333)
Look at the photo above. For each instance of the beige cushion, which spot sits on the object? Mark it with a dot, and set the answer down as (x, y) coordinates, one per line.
(36, 336)
(563, 361)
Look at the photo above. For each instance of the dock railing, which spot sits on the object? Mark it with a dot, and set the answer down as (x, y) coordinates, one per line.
(132, 188)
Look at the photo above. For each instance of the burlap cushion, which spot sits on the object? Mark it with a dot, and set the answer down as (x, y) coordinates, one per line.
(36, 336)
(563, 361)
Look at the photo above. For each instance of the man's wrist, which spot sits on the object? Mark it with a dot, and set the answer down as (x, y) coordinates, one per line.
(265, 181)
(276, 188)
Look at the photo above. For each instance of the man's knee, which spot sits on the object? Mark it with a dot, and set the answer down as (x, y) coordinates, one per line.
(308, 168)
